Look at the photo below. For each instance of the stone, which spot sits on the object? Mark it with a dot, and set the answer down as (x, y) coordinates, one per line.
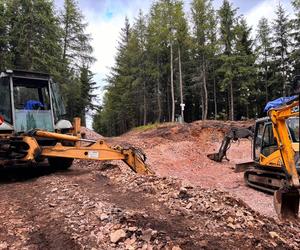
(274, 234)
(230, 219)
(176, 248)
(147, 234)
(188, 206)
(231, 225)
(132, 229)
(103, 216)
(117, 235)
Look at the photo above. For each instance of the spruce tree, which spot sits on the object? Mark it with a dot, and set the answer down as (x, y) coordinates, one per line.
(281, 40)
(295, 55)
(227, 15)
(264, 52)
(33, 35)
(204, 37)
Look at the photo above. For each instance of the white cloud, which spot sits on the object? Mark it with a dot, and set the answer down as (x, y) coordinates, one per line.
(105, 32)
(105, 26)
(265, 8)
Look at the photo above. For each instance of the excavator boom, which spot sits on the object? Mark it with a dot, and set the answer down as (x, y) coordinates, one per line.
(286, 199)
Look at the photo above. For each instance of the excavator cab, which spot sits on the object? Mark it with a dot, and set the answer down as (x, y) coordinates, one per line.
(30, 101)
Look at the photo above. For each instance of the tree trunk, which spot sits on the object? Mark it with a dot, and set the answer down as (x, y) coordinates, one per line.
(215, 93)
(181, 85)
(266, 79)
(205, 104)
(283, 74)
(172, 85)
(145, 105)
(158, 94)
(231, 102)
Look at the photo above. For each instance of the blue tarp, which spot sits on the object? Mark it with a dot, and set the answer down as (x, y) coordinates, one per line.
(32, 104)
(279, 102)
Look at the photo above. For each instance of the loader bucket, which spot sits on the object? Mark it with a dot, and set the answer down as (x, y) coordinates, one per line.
(214, 157)
(286, 203)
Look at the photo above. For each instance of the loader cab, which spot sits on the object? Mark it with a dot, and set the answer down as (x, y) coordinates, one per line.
(29, 100)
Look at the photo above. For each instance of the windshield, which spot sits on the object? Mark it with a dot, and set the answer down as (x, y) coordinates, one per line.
(32, 105)
(5, 104)
(31, 94)
(293, 124)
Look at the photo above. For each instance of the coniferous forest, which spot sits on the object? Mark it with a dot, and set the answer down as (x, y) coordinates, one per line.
(37, 37)
(209, 59)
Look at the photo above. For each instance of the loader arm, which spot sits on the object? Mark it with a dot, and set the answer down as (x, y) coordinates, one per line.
(84, 149)
(286, 199)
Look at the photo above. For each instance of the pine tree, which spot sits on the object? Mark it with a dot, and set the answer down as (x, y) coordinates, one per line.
(227, 38)
(33, 35)
(87, 87)
(204, 24)
(282, 44)
(141, 82)
(75, 42)
(4, 53)
(116, 113)
(264, 51)
(244, 70)
(295, 56)
(76, 57)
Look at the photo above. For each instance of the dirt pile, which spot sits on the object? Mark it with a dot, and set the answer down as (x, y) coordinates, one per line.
(180, 151)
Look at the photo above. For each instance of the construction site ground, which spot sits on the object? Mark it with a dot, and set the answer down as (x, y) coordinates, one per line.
(191, 202)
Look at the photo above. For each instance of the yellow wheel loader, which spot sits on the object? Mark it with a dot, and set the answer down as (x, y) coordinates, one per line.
(275, 150)
(33, 127)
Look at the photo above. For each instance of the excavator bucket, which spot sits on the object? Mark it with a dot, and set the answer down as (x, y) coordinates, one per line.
(214, 157)
(286, 203)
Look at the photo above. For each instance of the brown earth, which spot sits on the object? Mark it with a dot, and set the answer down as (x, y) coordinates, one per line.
(192, 203)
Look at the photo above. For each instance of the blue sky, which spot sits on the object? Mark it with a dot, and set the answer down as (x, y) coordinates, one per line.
(106, 18)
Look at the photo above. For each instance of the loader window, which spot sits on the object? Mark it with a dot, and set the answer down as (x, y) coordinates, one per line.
(58, 104)
(32, 105)
(269, 144)
(31, 95)
(293, 125)
(5, 103)
(258, 139)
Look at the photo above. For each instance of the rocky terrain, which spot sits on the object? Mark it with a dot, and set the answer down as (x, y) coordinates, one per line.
(191, 202)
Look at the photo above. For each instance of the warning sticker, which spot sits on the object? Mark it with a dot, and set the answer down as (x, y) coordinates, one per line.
(93, 154)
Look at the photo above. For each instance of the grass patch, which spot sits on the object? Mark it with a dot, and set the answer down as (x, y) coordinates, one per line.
(146, 127)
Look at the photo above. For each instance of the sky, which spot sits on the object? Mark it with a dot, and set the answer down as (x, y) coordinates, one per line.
(105, 19)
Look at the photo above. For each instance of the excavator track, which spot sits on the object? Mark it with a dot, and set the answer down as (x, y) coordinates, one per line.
(264, 180)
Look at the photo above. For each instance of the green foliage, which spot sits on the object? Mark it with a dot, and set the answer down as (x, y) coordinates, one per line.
(34, 38)
(225, 74)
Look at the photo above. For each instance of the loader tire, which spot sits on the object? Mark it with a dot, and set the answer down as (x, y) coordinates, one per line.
(60, 163)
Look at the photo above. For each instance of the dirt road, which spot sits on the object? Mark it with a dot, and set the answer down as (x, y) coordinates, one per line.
(106, 206)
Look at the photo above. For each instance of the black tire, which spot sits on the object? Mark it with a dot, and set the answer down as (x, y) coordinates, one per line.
(60, 163)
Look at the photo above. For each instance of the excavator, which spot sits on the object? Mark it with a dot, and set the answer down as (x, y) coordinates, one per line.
(275, 148)
(234, 134)
(33, 127)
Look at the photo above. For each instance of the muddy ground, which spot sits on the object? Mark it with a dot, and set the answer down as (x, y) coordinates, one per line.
(191, 203)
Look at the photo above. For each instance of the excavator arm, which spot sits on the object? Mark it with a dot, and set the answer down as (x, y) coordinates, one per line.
(286, 199)
(233, 135)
